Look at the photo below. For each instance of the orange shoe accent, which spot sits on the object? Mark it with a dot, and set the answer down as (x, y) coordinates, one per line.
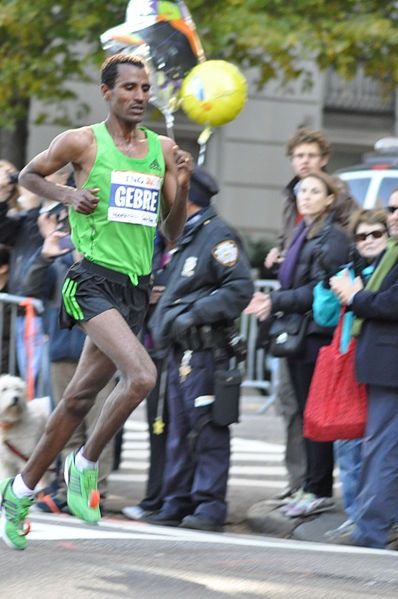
(94, 499)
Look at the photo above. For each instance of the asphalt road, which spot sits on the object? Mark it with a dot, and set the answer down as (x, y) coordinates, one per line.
(125, 559)
(134, 560)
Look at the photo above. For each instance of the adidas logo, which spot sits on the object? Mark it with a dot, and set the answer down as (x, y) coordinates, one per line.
(155, 165)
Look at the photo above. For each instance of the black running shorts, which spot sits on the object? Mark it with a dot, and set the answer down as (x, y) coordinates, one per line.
(90, 289)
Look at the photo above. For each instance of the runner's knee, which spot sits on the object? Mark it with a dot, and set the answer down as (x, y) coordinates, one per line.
(142, 382)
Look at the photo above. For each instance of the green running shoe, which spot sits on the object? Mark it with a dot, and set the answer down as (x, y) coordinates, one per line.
(83, 496)
(13, 511)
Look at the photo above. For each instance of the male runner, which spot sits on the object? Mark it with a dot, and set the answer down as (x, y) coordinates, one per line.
(126, 176)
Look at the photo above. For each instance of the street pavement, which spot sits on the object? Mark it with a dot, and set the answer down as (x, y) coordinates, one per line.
(68, 559)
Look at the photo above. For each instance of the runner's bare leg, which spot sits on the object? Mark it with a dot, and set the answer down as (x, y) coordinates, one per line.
(112, 336)
(137, 377)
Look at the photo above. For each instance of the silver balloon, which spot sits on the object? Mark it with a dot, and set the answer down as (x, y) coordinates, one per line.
(164, 34)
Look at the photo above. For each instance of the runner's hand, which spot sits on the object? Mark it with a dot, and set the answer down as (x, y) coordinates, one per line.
(84, 201)
(184, 163)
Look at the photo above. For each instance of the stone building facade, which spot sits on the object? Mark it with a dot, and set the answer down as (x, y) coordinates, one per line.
(248, 155)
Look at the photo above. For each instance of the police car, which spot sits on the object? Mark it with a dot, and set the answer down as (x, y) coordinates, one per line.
(372, 182)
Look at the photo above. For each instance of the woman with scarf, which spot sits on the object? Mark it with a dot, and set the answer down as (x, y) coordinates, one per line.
(318, 249)
(369, 229)
(375, 307)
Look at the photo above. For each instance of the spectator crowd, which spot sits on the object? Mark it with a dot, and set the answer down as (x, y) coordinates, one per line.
(333, 260)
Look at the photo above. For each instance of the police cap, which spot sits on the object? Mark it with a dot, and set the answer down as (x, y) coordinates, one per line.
(203, 187)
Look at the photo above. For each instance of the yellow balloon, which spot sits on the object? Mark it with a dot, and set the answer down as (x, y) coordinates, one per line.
(213, 93)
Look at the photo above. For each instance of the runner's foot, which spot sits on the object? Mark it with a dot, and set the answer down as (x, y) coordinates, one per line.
(13, 511)
(83, 496)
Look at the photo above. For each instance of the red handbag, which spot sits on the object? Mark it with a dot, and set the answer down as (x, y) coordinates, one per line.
(336, 406)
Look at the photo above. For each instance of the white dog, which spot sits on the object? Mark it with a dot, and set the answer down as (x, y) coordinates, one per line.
(22, 423)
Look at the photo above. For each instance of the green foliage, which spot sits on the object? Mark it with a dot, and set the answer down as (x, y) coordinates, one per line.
(277, 36)
(45, 44)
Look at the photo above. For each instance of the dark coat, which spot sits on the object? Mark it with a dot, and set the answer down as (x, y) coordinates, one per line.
(200, 283)
(377, 346)
(320, 258)
(22, 234)
(44, 280)
(343, 208)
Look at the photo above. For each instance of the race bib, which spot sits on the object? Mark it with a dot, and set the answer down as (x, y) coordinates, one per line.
(134, 198)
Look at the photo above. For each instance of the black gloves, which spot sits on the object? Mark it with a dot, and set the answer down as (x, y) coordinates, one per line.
(180, 327)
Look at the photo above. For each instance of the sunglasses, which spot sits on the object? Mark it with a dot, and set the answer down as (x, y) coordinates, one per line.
(376, 234)
(392, 209)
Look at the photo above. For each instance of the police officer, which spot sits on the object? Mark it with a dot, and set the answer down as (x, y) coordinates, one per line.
(209, 286)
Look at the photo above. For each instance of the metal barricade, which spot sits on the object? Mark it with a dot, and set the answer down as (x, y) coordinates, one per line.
(8, 327)
(260, 369)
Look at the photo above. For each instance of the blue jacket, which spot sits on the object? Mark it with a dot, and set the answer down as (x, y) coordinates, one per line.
(326, 307)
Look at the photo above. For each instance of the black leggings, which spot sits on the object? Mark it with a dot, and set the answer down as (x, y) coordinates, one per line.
(320, 462)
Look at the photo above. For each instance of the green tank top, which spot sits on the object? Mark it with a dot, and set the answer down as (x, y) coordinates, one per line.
(120, 233)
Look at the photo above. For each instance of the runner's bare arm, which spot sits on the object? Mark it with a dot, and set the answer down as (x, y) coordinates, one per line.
(175, 191)
(72, 146)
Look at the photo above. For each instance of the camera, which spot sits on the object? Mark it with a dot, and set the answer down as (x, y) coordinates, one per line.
(13, 177)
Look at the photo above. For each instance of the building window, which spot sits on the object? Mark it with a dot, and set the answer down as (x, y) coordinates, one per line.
(360, 95)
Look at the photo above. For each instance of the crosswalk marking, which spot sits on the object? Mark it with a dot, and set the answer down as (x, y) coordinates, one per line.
(254, 463)
(241, 456)
(241, 470)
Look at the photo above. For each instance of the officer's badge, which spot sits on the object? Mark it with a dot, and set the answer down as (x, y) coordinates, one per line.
(226, 252)
(189, 266)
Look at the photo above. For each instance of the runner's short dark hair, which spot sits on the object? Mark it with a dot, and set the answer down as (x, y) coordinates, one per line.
(109, 69)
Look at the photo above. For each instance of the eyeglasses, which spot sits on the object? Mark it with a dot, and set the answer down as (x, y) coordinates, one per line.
(392, 209)
(376, 234)
(310, 156)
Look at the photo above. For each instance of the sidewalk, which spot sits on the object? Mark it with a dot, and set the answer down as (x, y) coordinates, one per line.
(250, 510)
(262, 518)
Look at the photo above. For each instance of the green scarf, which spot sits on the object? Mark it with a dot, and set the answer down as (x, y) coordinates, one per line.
(379, 274)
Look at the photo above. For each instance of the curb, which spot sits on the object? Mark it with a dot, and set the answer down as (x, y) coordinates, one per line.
(265, 517)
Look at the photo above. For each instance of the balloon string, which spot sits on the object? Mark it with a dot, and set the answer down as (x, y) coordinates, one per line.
(202, 154)
(202, 141)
